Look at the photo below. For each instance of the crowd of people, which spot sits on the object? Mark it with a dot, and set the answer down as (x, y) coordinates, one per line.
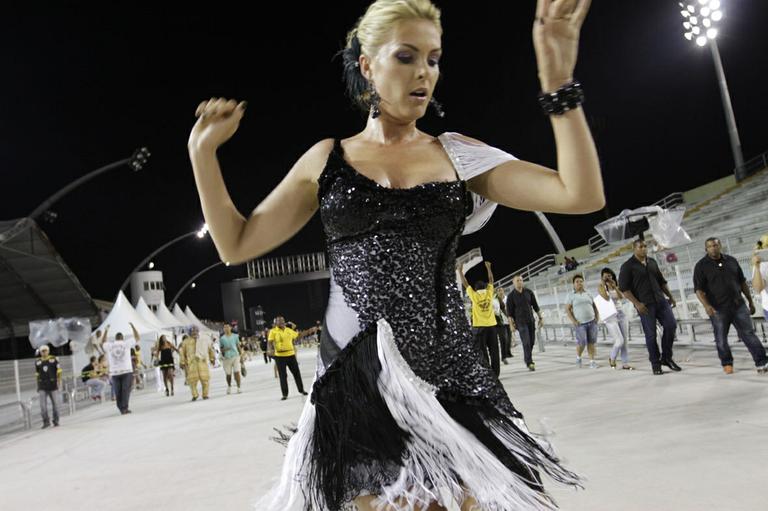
(718, 280)
(118, 367)
(496, 315)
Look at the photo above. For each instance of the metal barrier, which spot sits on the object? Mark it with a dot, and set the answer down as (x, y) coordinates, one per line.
(752, 166)
(529, 271)
(26, 417)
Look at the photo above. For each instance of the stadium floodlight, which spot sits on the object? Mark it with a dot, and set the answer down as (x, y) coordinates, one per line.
(700, 24)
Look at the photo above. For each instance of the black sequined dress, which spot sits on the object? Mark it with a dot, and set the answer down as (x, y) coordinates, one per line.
(402, 407)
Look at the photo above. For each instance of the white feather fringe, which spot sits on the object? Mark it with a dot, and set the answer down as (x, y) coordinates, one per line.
(444, 461)
(443, 457)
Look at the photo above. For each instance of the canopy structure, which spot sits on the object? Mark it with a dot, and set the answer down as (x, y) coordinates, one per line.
(147, 315)
(663, 224)
(120, 318)
(181, 317)
(167, 319)
(35, 282)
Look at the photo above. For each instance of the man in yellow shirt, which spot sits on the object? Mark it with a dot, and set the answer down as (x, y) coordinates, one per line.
(483, 319)
(281, 339)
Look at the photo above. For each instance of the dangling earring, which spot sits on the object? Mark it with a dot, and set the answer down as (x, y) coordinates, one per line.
(374, 100)
(438, 107)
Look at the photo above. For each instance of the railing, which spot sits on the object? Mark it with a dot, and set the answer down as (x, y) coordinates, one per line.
(25, 415)
(287, 265)
(529, 271)
(71, 397)
(752, 166)
(473, 254)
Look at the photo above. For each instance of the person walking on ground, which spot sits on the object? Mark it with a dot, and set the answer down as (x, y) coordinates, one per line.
(166, 363)
(641, 282)
(196, 353)
(617, 323)
(230, 353)
(48, 377)
(483, 320)
(503, 331)
(720, 283)
(281, 338)
(120, 365)
(521, 304)
(583, 313)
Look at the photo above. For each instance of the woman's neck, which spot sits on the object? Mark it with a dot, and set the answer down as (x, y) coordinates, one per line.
(388, 131)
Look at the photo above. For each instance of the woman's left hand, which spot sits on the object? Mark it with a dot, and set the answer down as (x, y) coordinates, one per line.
(556, 39)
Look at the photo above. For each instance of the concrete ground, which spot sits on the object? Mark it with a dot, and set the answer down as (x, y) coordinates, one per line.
(694, 440)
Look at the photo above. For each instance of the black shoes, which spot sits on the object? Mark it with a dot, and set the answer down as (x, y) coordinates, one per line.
(657, 370)
(303, 393)
(46, 425)
(531, 366)
(283, 398)
(671, 364)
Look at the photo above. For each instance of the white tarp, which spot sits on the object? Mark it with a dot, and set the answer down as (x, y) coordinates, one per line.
(147, 315)
(59, 331)
(120, 317)
(168, 319)
(663, 224)
(179, 315)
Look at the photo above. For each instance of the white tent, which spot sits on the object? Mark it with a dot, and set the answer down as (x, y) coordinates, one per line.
(179, 315)
(199, 324)
(167, 319)
(119, 319)
(147, 315)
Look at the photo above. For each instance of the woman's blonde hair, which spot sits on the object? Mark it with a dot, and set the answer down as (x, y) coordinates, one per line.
(372, 30)
(373, 27)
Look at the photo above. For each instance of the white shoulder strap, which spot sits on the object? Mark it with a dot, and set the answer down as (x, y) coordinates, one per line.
(471, 158)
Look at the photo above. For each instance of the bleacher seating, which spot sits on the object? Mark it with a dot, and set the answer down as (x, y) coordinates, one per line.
(738, 216)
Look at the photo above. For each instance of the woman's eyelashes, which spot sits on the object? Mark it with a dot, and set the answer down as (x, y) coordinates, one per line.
(406, 58)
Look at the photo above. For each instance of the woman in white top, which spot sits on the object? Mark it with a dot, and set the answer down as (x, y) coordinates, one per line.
(618, 323)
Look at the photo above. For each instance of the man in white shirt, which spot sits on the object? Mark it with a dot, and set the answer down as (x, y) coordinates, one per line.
(120, 365)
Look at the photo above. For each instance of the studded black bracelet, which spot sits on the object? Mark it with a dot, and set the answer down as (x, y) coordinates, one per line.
(567, 97)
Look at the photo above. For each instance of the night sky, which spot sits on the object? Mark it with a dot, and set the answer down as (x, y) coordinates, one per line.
(85, 85)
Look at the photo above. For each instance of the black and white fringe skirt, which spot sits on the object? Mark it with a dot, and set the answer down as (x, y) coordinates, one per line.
(372, 427)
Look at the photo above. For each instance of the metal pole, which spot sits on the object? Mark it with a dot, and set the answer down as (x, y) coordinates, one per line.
(185, 286)
(18, 381)
(730, 119)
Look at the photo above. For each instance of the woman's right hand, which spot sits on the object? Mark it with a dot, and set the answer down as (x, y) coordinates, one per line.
(217, 120)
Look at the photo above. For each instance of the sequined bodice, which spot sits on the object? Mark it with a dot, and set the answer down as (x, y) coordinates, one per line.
(392, 253)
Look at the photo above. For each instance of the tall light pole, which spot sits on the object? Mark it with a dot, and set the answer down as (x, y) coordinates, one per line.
(136, 162)
(199, 233)
(700, 21)
(192, 281)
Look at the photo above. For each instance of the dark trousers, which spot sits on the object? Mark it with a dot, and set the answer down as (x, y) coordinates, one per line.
(527, 339)
(487, 344)
(742, 322)
(44, 395)
(503, 333)
(661, 312)
(122, 384)
(293, 365)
